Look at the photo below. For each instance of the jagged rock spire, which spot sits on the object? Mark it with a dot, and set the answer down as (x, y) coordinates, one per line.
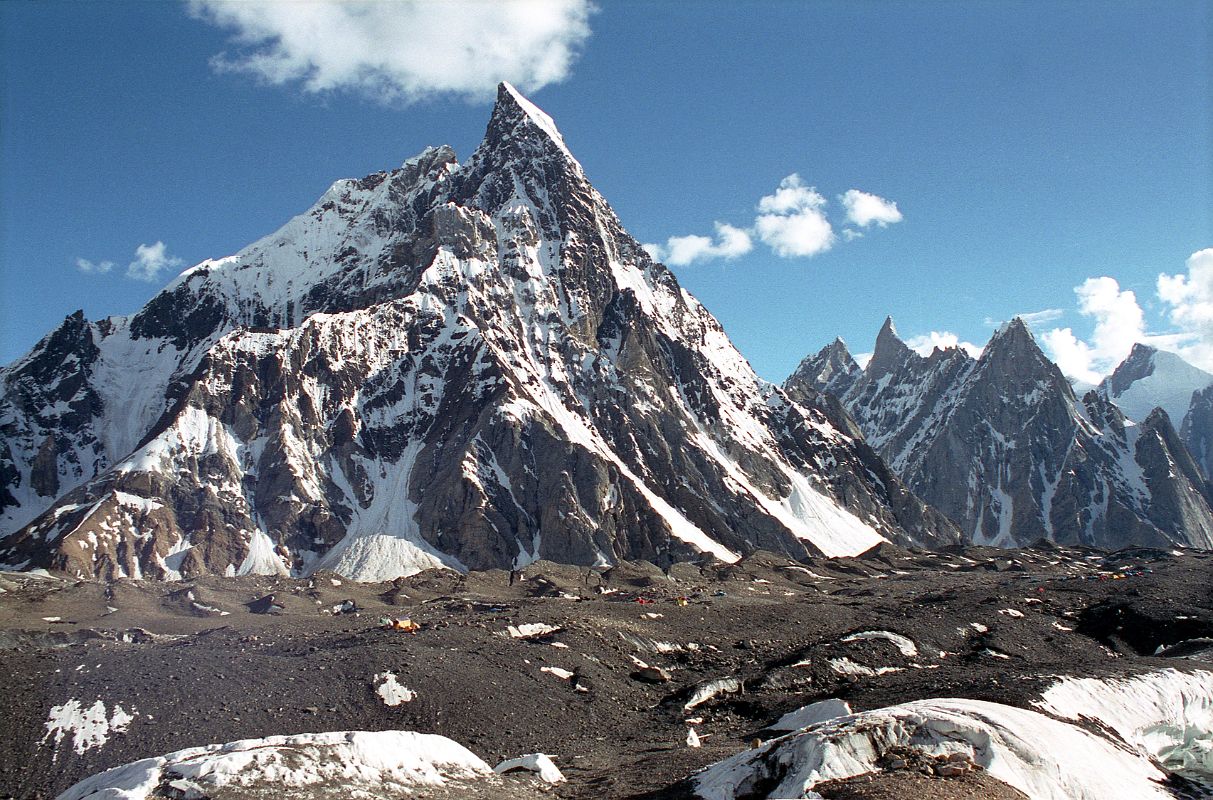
(890, 351)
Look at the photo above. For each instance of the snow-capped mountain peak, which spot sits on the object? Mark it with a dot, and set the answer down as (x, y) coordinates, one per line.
(465, 366)
(1150, 378)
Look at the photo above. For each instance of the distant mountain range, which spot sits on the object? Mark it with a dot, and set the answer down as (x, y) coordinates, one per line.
(1004, 448)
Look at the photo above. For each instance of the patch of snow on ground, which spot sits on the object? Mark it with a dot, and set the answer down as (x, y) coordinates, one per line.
(529, 630)
(845, 666)
(383, 763)
(392, 693)
(539, 763)
(707, 691)
(563, 674)
(262, 559)
(905, 645)
(89, 727)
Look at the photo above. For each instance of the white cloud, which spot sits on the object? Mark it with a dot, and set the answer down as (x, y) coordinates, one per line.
(150, 261)
(1039, 317)
(863, 209)
(655, 251)
(84, 265)
(679, 251)
(1190, 307)
(924, 344)
(803, 234)
(791, 196)
(1071, 354)
(404, 50)
(1119, 324)
(791, 221)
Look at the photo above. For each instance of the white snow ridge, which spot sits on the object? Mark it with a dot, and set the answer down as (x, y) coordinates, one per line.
(1159, 723)
(360, 763)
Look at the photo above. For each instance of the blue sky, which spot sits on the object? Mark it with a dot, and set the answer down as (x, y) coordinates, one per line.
(1031, 150)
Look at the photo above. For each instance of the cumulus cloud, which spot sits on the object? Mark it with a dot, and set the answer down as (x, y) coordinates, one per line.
(792, 221)
(84, 265)
(1071, 355)
(680, 251)
(405, 50)
(1119, 324)
(150, 261)
(791, 196)
(864, 209)
(1189, 301)
(924, 344)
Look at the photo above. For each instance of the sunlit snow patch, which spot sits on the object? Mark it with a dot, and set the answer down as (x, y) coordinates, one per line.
(391, 692)
(375, 764)
(530, 630)
(845, 666)
(905, 645)
(89, 727)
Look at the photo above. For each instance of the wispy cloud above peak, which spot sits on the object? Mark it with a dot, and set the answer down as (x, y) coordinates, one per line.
(405, 50)
(150, 261)
(86, 266)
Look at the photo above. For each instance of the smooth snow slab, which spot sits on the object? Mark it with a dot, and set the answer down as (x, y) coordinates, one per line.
(821, 711)
(538, 763)
(902, 643)
(1043, 757)
(384, 761)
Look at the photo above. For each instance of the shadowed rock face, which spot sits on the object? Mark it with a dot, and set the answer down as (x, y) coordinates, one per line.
(464, 365)
(1002, 446)
(1197, 429)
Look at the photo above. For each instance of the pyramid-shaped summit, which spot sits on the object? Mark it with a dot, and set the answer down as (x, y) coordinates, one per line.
(468, 366)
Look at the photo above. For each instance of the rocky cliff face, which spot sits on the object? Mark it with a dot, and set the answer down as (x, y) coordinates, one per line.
(1003, 447)
(470, 365)
(1196, 431)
